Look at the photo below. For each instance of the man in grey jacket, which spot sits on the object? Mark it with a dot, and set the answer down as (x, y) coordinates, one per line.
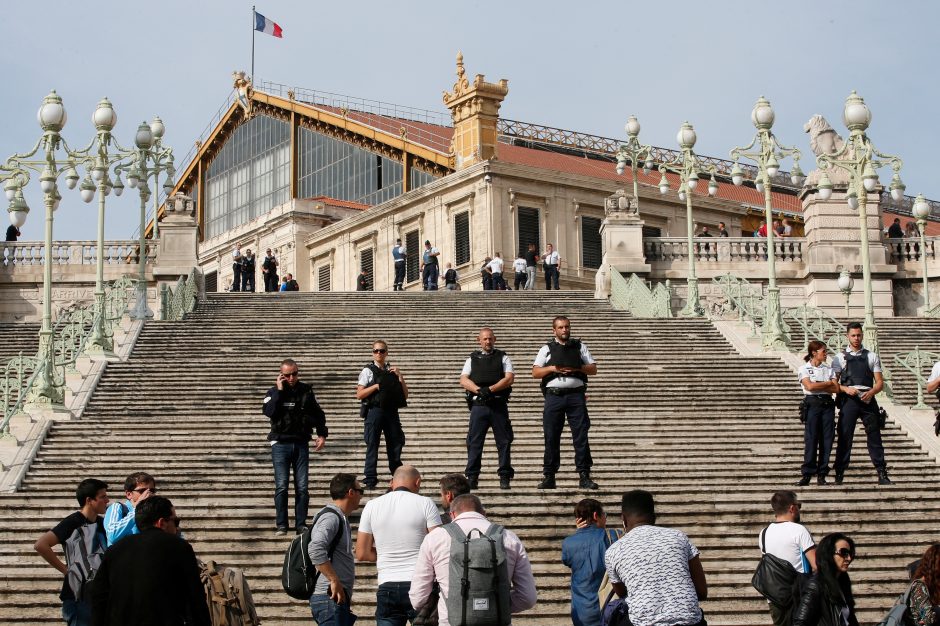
(332, 595)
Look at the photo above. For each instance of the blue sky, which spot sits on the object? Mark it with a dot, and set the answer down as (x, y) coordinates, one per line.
(582, 66)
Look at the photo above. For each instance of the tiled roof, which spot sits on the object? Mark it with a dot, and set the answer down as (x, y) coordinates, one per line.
(346, 204)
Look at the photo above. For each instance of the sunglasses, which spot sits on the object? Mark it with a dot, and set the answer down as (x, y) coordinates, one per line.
(846, 553)
(379, 350)
(291, 375)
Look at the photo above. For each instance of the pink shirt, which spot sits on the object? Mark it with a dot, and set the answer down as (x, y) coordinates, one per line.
(434, 563)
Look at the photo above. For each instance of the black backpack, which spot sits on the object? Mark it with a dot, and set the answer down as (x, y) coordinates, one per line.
(776, 579)
(299, 576)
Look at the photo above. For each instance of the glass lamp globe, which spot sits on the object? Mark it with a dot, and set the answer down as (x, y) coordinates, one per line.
(856, 114)
(921, 209)
(104, 117)
(824, 187)
(763, 114)
(633, 126)
(144, 137)
(51, 114)
(846, 282)
(686, 136)
(157, 127)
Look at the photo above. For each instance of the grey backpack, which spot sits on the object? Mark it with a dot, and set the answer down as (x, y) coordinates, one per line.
(478, 592)
(83, 553)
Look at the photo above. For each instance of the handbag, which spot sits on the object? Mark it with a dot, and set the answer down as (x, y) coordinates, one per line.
(774, 577)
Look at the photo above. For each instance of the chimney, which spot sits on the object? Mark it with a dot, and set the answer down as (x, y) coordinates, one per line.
(474, 110)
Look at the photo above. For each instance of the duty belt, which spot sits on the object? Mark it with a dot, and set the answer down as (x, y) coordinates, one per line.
(564, 391)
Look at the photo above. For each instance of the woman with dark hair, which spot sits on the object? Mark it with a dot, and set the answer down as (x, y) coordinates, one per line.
(827, 598)
(818, 414)
(924, 602)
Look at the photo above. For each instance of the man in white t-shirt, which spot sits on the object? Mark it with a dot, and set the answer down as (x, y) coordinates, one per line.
(789, 540)
(519, 269)
(496, 270)
(391, 530)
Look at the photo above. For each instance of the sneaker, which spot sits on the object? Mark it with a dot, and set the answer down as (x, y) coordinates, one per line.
(586, 482)
(839, 477)
(547, 483)
(821, 481)
(504, 483)
(280, 532)
(804, 481)
(474, 483)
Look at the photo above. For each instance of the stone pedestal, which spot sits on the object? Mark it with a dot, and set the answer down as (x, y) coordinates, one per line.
(833, 243)
(178, 247)
(622, 242)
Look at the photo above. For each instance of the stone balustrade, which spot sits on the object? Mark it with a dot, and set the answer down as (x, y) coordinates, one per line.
(738, 250)
(903, 252)
(18, 254)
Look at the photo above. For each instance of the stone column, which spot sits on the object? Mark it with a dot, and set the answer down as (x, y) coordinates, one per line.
(178, 246)
(622, 236)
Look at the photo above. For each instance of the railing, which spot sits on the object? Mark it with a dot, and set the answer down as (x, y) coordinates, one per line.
(722, 249)
(914, 362)
(70, 333)
(21, 253)
(635, 296)
(177, 301)
(814, 323)
(908, 249)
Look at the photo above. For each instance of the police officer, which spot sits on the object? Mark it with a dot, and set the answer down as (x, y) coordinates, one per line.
(487, 376)
(563, 365)
(429, 267)
(818, 413)
(382, 391)
(398, 256)
(859, 374)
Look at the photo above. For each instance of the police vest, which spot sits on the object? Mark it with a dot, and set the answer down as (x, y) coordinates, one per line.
(857, 371)
(568, 355)
(487, 369)
(391, 395)
(397, 254)
(428, 259)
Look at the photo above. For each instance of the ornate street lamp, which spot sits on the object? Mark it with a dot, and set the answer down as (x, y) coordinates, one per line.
(688, 167)
(846, 283)
(767, 152)
(47, 159)
(859, 158)
(150, 158)
(921, 211)
(634, 152)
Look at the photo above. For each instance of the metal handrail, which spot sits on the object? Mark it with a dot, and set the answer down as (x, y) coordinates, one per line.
(913, 362)
(635, 296)
(742, 298)
(178, 301)
(816, 324)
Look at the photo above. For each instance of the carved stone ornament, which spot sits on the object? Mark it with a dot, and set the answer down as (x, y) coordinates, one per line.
(462, 87)
(243, 89)
(180, 204)
(620, 205)
(823, 139)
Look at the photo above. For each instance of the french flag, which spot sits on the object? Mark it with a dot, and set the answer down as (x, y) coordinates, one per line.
(265, 25)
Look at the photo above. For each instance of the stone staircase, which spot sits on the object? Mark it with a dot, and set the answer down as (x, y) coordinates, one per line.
(674, 409)
(902, 334)
(16, 337)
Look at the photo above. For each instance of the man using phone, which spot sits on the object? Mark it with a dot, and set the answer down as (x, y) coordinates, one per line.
(295, 413)
(119, 518)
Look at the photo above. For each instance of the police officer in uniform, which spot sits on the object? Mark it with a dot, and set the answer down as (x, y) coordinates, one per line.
(859, 374)
(382, 391)
(398, 256)
(487, 377)
(563, 365)
(818, 413)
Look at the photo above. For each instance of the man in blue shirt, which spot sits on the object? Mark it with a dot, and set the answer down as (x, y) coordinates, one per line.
(398, 255)
(119, 518)
(584, 552)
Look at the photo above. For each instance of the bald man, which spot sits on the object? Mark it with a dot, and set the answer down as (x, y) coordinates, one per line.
(391, 530)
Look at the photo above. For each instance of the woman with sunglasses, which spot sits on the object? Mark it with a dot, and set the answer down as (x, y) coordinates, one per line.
(817, 413)
(827, 598)
(924, 601)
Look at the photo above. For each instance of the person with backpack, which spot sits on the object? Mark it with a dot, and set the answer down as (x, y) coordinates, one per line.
(92, 496)
(151, 578)
(450, 278)
(583, 552)
(119, 518)
(465, 550)
(827, 598)
(381, 390)
(330, 550)
(791, 542)
(295, 414)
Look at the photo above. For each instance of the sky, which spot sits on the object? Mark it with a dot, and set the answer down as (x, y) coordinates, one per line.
(582, 66)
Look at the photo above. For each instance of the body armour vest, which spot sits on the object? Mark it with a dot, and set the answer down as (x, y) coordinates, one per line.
(486, 369)
(390, 395)
(568, 355)
(857, 371)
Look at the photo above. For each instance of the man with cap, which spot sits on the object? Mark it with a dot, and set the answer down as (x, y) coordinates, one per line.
(429, 267)
(398, 256)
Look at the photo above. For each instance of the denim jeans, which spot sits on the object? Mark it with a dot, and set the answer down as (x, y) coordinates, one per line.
(287, 455)
(392, 605)
(326, 612)
(76, 613)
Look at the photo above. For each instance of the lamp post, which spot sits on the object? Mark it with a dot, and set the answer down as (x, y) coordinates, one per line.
(846, 283)
(860, 159)
(47, 391)
(149, 150)
(632, 152)
(921, 211)
(688, 167)
(767, 152)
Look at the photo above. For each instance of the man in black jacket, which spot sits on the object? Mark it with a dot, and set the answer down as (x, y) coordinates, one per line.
(269, 269)
(152, 578)
(295, 413)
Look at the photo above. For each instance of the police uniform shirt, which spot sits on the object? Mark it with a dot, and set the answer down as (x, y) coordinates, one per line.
(365, 376)
(816, 374)
(552, 258)
(934, 372)
(838, 364)
(507, 365)
(237, 254)
(563, 382)
(496, 265)
(519, 265)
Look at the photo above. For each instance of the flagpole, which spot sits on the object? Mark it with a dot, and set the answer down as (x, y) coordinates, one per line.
(254, 21)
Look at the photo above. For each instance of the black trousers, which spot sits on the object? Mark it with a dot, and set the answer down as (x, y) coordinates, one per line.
(520, 280)
(482, 418)
(551, 276)
(237, 280)
(851, 411)
(399, 275)
(379, 422)
(574, 406)
(818, 435)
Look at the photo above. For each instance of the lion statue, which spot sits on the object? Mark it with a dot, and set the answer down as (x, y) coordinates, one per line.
(823, 139)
